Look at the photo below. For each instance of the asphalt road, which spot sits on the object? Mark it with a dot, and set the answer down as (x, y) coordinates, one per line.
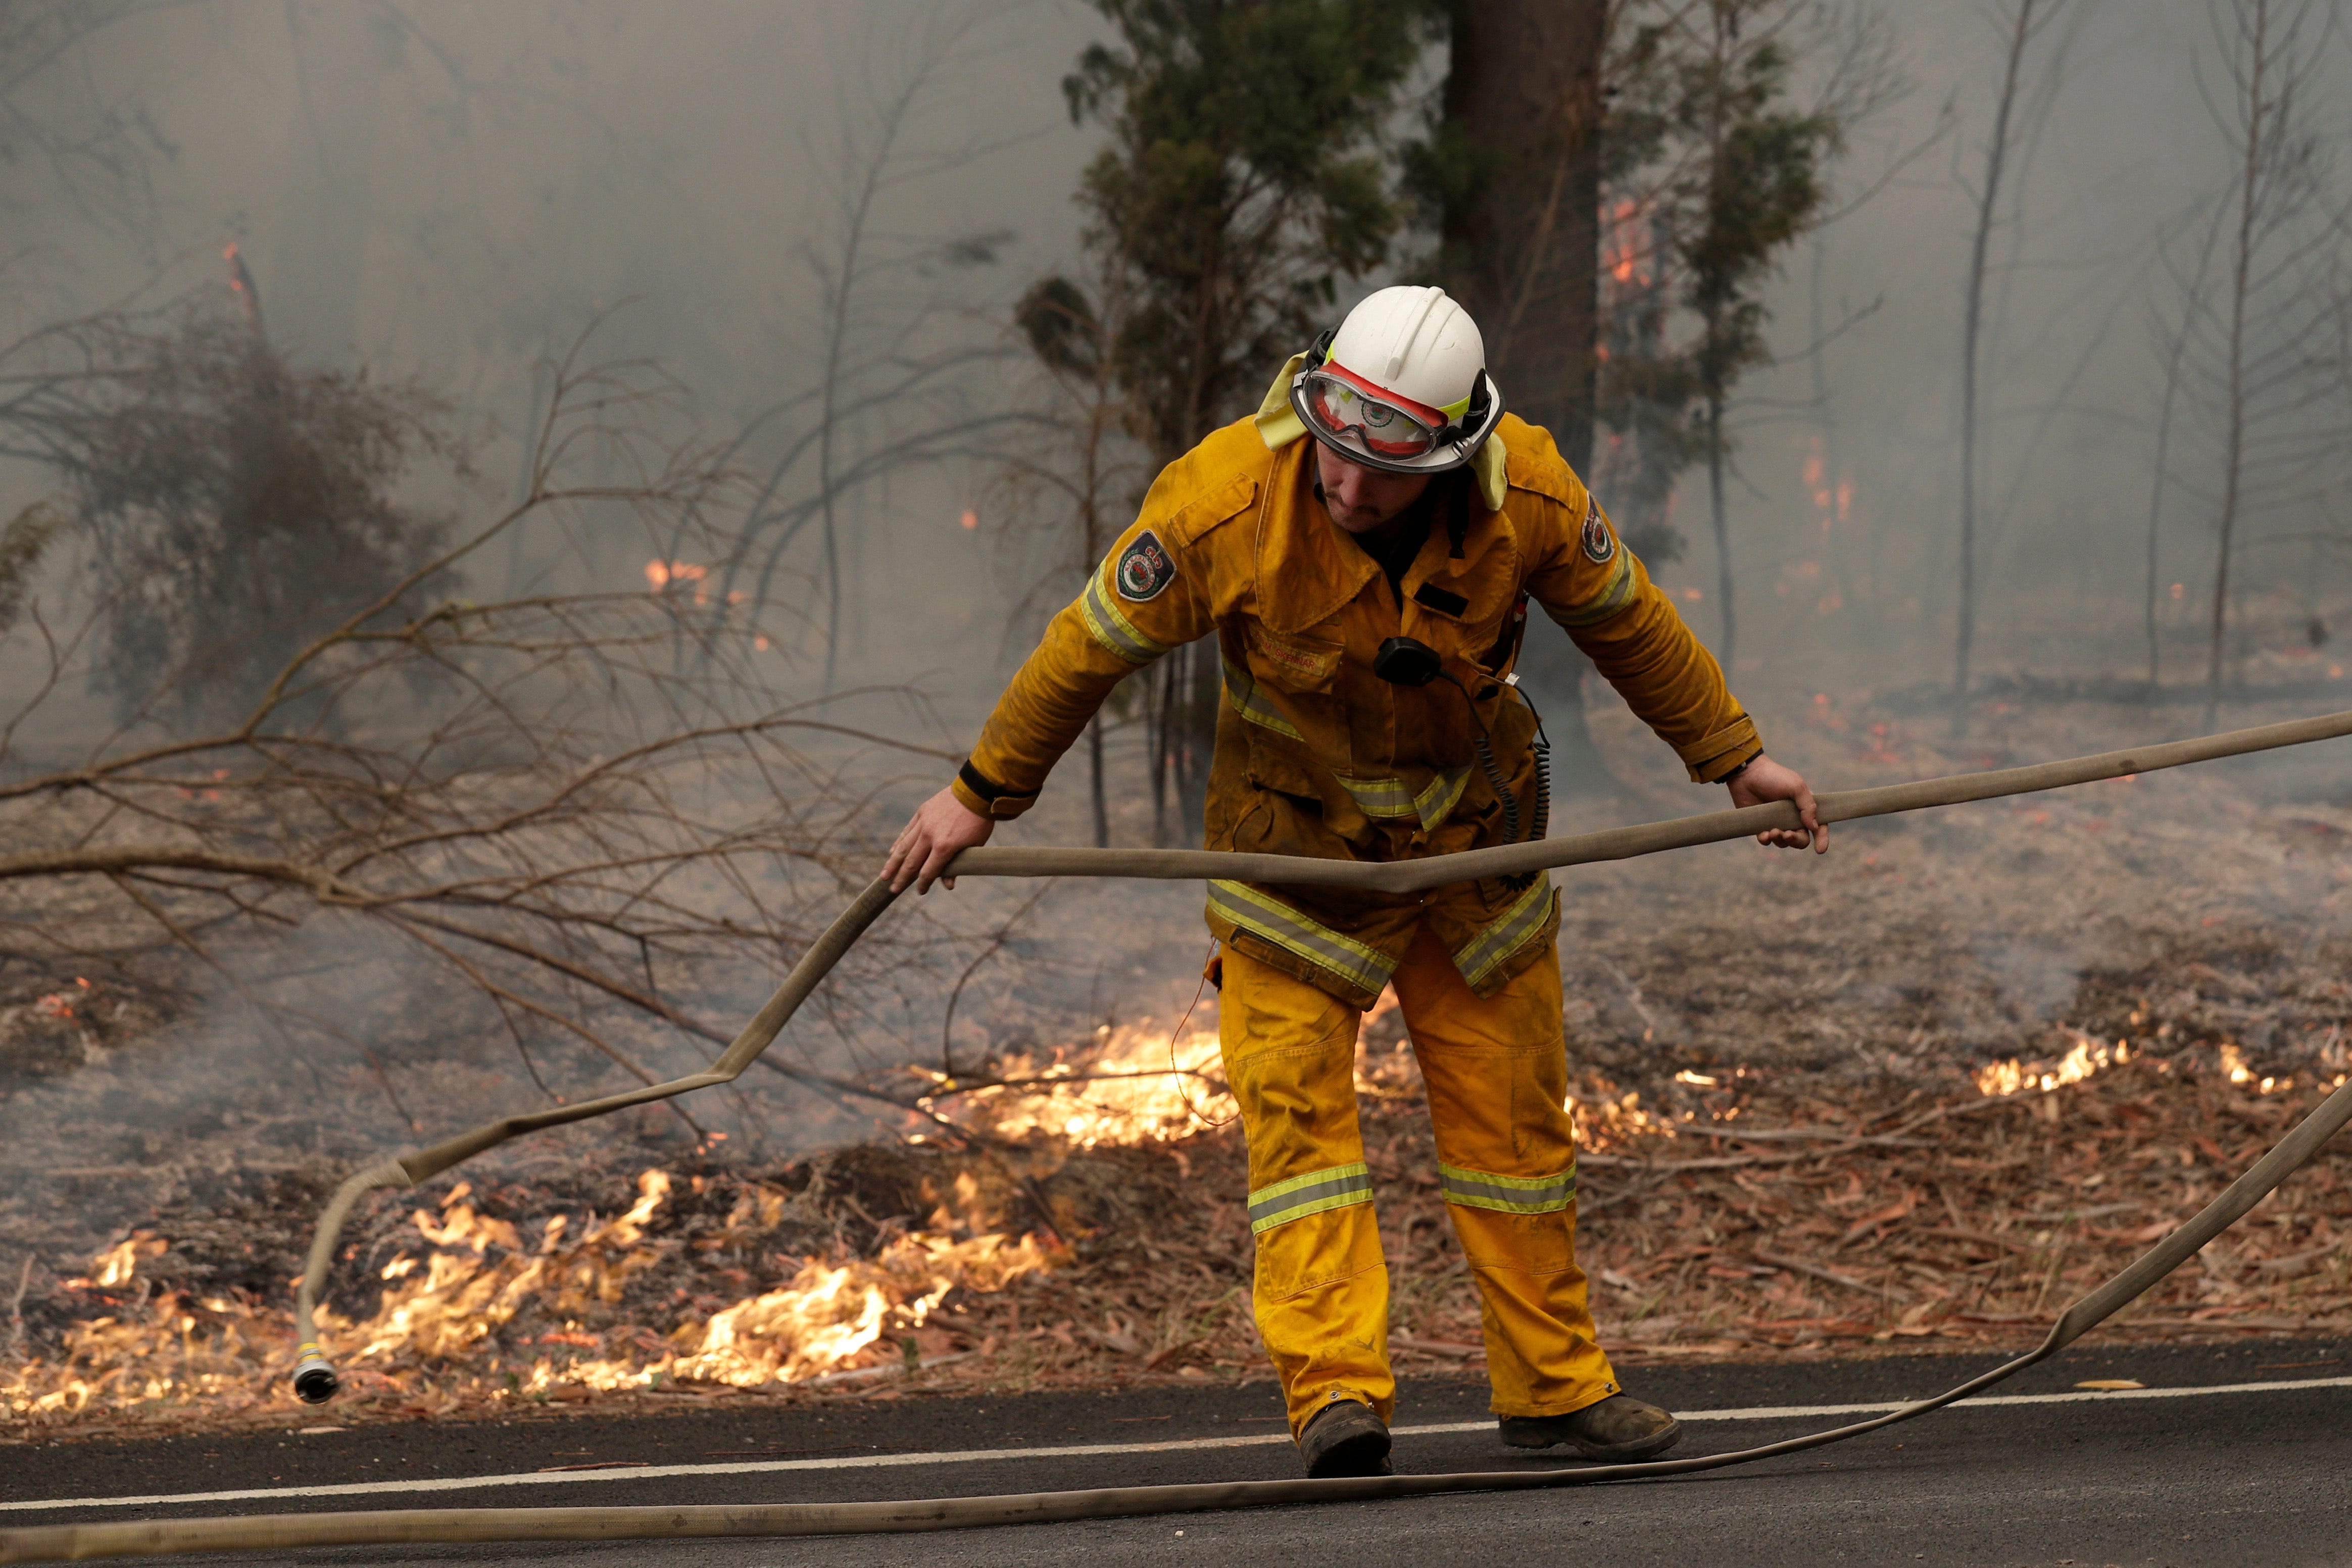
(2224, 1477)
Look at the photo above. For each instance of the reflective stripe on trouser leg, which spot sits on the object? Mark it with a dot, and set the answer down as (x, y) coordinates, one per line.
(1321, 1288)
(1497, 1071)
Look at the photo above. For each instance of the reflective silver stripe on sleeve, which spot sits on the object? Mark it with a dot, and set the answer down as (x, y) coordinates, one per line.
(1314, 1193)
(1364, 968)
(1108, 626)
(1240, 690)
(1477, 958)
(1511, 1194)
(1614, 595)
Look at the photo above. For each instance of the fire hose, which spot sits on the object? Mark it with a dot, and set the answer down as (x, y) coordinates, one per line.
(315, 1379)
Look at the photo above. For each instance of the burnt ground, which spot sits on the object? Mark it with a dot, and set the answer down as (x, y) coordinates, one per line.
(1841, 1186)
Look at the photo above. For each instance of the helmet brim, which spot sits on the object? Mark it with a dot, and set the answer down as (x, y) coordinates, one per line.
(1443, 458)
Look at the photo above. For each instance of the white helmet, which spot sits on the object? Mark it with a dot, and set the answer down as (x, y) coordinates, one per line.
(1401, 386)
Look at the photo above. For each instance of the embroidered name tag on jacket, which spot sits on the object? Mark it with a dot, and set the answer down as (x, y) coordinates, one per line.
(1144, 568)
(1303, 666)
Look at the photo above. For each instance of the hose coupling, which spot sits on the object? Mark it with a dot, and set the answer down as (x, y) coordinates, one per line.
(314, 1377)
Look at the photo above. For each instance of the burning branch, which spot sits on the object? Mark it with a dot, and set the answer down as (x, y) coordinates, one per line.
(241, 284)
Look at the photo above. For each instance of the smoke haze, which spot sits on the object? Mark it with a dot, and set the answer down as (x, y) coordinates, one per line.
(453, 192)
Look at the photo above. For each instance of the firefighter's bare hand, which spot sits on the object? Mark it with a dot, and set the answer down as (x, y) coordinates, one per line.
(942, 827)
(1764, 780)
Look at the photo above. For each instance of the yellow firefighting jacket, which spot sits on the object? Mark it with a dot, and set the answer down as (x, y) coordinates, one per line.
(1317, 755)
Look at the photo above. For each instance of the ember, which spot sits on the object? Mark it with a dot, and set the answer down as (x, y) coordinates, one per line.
(660, 574)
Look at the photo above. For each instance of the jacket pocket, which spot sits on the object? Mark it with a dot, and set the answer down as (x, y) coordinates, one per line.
(1296, 666)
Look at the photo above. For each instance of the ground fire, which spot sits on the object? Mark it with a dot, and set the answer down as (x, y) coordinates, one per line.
(1084, 1233)
(474, 1306)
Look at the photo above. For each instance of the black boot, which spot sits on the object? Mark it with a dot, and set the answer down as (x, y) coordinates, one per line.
(1619, 1428)
(1345, 1438)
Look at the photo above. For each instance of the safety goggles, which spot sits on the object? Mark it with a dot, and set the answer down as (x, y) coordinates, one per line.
(1351, 414)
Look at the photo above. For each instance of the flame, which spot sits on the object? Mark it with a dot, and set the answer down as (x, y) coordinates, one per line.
(115, 1265)
(2233, 1063)
(241, 284)
(828, 1315)
(1607, 1120)
(1621, 248)
(475, 1310)
(1834, 498)
(447, 1323)
(1137, 1084)
(822, 1319)
(1997, 1079)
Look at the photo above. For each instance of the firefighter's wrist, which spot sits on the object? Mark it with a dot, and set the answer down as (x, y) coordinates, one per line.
(1739, 767)
(983, 796)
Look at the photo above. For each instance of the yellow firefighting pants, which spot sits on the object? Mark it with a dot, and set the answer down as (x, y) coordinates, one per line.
(1497, 1073)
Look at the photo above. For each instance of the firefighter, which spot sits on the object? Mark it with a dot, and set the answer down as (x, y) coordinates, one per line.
(1364, 550)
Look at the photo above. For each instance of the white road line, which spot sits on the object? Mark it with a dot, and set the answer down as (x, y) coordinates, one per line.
(1073, 1450)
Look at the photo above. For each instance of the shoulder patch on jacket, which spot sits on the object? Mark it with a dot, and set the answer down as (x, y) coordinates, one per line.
(1144, 570)
(1600, 543)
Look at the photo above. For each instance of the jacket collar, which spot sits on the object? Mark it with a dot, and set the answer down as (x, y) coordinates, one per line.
(1305, 572)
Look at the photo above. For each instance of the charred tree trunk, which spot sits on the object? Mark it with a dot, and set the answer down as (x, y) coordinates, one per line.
(2259, 120)
(1522, 240)
(1523, 84)
(1719, 515)
(1971, 332)
(1095, 782)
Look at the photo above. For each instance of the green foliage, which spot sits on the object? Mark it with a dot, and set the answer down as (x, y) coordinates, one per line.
(1747, 174)
(1060, 323)
(1246, 175)
(238, 509)
(1723, 173)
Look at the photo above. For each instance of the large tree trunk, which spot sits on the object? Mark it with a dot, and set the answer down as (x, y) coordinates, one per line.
(1524, 239)
(1522, 246)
